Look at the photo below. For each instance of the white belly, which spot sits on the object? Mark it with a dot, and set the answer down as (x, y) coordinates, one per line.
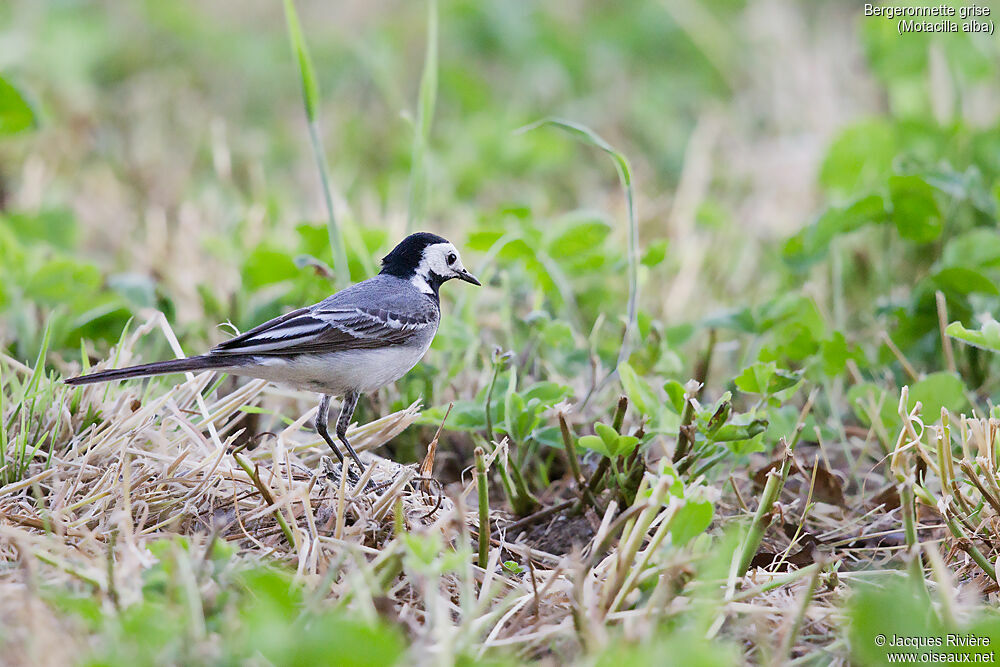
(340, 372)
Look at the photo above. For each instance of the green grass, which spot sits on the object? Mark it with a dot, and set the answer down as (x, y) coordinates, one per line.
(732, 402)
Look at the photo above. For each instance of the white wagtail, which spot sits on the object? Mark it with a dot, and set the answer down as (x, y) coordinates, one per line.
(352, 343)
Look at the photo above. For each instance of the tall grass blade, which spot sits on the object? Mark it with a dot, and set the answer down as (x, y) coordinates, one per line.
(3, 430)
(587, 136)
(28, 390)
(422, 129)
(307, 73)
(310, 97)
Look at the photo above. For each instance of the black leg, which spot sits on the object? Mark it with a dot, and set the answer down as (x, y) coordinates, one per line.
(346, 412)
(321, 420)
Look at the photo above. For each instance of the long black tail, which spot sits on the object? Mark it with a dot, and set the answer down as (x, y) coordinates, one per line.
(202, 363)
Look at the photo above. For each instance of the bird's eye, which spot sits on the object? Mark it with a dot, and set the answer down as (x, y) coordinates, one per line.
(452, 258)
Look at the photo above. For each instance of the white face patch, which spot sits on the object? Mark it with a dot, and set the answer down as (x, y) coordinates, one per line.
(435, 261)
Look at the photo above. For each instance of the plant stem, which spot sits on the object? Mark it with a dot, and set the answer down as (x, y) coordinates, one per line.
(583, 489)
(310, 101)
(619, 417)
(942, 311)
(966, 545)
(595, 481)
(497, 366)
(907, 505)
(574, 462)
(704, 364)
(588, 136)
(484, 507)
(524, 502)
(266, 494)
(684, 438)
(340, 265)
(762, 517)
(602, 468)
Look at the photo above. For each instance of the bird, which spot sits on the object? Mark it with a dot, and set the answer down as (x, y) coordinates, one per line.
(354, 342)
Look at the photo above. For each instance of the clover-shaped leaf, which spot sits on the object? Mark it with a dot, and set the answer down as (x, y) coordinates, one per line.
(609, 442)
(594, 444)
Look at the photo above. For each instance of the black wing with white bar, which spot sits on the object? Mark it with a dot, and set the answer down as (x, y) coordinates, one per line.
(328, 329)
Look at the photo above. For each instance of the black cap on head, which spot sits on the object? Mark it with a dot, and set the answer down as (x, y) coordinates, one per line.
(406, 256)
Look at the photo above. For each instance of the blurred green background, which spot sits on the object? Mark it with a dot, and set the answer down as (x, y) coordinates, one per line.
(171, 164)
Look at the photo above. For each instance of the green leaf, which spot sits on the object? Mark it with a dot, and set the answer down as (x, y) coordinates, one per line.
(782, 380)
(755, 378)
(895, 607)
(915, 209)
(266, 266)
(961, 280)
(547, 393)
(549, 436)
(82, 607)
(626, 445)
(580, 237)
(483, 240)
(936, 391)
(835, 353)
(16, 114)
(558, 334)
(656, 252)
(56, 227)
(513, 567)
(593, 443)
(673, 646)
(734, 432)
(675, 394)
(741, 320)
(423, 549)
(860, 158)
(608, 442)
(314, 239)
(640, 393)
(283, 630)
(59, 278)
(987, 337)
(465, 415)
(607, 434)
(723, 410)
(813, 242)
(690, 521)
(521, 417)
(869, 401)
(136, 288)
(747, 446)
(979, 248)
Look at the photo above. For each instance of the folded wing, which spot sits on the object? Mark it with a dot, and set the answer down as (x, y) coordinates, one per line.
(328, 329)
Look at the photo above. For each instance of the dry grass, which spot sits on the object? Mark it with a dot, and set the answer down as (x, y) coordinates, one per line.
(161, 463)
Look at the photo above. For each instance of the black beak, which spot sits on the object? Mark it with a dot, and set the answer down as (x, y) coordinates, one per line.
(468, 277)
